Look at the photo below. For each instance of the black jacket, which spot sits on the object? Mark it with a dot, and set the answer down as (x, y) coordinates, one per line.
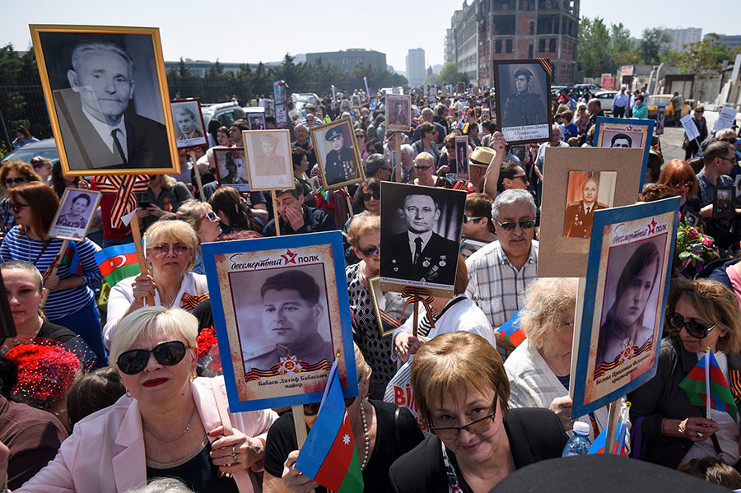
(315, 220)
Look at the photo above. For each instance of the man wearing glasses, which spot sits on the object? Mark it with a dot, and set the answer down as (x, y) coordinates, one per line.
(719, 160)
(580, 214)
(500, 272)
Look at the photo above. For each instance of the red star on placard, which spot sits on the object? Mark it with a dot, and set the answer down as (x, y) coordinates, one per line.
(652, 226)
(289, 257)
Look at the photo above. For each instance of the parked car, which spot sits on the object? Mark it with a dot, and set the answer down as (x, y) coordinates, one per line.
(606, 98)
(665, 100)
(226, 113)
(44, 148)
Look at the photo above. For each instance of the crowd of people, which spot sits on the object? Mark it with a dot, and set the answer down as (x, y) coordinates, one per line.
(102, 389)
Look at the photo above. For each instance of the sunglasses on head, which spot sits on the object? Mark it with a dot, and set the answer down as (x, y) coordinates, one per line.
(368, 196)
(135, 360)
(688, 183)
(698, 330)
(510, 225)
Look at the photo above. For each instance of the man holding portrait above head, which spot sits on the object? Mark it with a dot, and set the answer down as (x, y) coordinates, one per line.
(339, 165)
(99, 126)
(580, 214)
(291, 315)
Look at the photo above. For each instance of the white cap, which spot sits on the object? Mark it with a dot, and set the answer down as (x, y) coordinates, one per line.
(581, 427)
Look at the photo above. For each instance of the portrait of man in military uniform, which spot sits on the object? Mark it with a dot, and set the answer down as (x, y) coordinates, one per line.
(398, 110)
(419, 253)
(339, 163)
(580, 214)
(524, 107)
(294, 319)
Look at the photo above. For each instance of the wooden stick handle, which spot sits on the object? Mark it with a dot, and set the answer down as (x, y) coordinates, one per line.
(299, 424)
(415, 320)
(277, 227)
(137, 235)
(198, 175)
(54, 268)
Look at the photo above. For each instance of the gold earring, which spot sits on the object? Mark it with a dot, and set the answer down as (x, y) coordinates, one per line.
(193, 375)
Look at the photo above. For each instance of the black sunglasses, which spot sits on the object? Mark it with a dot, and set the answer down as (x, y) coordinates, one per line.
(368, 196)
(11, 181)
(510, 226)
(168, 353)
(698, 330)
(371, 251)
(476, 426)
(17, 207)
(468, 219)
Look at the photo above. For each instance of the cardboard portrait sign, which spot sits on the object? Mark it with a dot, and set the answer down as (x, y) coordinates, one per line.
(231, 168)
(420, 237)
(581, 181)
(101, 125)
(282, 315)
(75, 214)
(268, 154)
(625, 133)
(461, 158)
(617, 339)
(190, 131)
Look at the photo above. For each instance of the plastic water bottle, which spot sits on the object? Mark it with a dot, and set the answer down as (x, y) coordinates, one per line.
(578, 444)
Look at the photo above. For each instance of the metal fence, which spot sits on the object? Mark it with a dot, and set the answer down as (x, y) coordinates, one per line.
(23, 105)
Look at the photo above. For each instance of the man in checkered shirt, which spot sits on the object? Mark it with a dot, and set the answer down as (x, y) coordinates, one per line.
(500, 272)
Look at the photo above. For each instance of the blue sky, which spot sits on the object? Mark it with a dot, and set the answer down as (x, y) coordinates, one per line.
(251, 31)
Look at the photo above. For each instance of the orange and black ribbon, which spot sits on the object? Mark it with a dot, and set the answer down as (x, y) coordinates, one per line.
(124, 186)
(414, 295)
(189, 302)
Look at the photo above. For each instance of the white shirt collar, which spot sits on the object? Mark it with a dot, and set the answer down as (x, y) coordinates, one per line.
(104, 130)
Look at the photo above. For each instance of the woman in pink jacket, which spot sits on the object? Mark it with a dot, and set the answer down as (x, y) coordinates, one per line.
(170, 423)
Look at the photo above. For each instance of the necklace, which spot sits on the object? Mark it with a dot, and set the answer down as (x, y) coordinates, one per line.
(365, 434)
(170, 440)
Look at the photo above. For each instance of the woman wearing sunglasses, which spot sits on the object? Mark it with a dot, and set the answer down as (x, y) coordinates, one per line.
(671, 430)
(12, 174)
(205, 222)
(169, 423)
(171, 248)
(71, 301)
(382, 433)
(680, 177)
(462, 392)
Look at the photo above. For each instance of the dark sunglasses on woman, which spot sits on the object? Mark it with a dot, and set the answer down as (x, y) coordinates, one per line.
(135, 360)
(698, 330)
(368, 196)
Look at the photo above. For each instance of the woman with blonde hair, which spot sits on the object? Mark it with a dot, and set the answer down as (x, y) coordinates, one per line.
(205, 222)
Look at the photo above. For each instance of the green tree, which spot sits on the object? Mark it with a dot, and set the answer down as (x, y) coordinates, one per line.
(707, 54)
(595, 55)
(651, 45)
(451, 75)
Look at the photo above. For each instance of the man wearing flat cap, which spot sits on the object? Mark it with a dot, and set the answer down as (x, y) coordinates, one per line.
(340, 163)
(523, 107)
(269, 161)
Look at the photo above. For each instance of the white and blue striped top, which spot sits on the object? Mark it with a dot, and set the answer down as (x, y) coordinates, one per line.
(18, 246)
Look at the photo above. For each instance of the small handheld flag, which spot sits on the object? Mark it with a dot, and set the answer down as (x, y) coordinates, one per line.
(328, 455)
(512, 330)
(707, 387)
(598, 447)
(71, 258)
(117, 262)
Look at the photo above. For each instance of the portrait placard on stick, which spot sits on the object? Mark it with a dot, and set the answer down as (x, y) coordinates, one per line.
(399, 111)
(627, 282)
(268, 155)
(282, 315)
(75, 213)
(522, 99)
(420, 235)
(102, 126)
(461, 157)
(337, 154)
(580, 182)
(231, 168)
(625, 133)
(190, 131)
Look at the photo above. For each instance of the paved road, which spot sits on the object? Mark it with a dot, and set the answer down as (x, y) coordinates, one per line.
(671, 141)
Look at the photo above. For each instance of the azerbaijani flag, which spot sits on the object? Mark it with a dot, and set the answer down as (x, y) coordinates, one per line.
(512, 330)
(706, 386)
(71, 258)
(328, 455)
(117, 262)
(598, 447)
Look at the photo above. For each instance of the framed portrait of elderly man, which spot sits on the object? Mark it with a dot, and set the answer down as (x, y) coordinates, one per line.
(522, 99)
(581, 182)
(231, 168)
(268, 154)
(420, 237)
(190, 131)
(75, 214)
(399, 112)
(625, 133)
(282, 315)
(106, 93)
(337, 154)
(620, 323)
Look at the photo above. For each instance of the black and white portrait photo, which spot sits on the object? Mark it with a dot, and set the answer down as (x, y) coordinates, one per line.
(523, 89)
(587, 192)
(231, 167)
(337, 154)
(189, 127)
(75, 213)
(269, 159)
(105, 99)
(420, 234)
(723, 202)
(399, 113)
(256, 121)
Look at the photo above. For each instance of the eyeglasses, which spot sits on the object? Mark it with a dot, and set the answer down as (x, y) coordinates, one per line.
(211, 216)
(17, 207)
(422, 167)
(360, 136)
(177, 249)
(476, 426)
(14, 181)
(168, 354)
(468, 219)
(371, 251)
(522, 177)
(727, 159)
(688, 183)
(510, 226)
(368, 196)
(698, 330)
(732, 140)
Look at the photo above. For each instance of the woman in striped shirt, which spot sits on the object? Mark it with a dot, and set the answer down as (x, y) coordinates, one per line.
(71, 302)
